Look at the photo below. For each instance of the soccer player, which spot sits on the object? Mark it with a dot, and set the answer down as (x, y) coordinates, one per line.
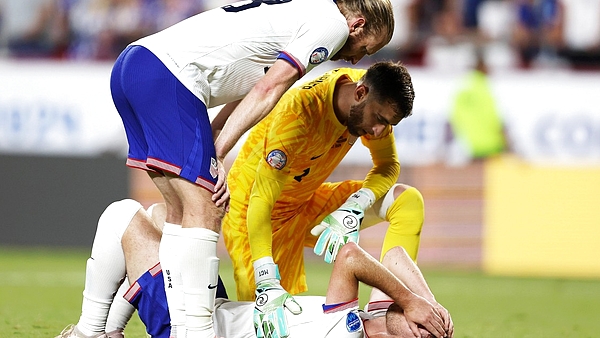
(244, 55)
(399, 288)
(279, 197)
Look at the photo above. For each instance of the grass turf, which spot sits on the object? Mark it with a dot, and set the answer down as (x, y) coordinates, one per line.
(40, 293)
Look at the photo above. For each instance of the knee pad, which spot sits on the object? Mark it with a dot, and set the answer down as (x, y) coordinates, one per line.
(386, 202)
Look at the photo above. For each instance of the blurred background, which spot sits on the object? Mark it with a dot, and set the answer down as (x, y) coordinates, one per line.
(503, 143)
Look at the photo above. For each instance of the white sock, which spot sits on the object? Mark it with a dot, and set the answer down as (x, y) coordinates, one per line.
(120, 310)
(200, 273)
(105, 268)
(170, 246)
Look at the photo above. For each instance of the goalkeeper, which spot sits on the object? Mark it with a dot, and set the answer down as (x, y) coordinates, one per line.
(280, 202)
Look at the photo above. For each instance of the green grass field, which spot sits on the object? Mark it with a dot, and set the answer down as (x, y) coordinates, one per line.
(40, 293)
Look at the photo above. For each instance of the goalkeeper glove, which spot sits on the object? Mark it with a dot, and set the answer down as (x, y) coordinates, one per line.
(342, 225)
(271, 298)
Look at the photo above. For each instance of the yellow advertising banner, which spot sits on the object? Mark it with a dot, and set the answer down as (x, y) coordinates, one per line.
(541, 220)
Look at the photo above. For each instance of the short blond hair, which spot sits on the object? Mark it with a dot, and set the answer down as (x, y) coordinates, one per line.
(378, 15)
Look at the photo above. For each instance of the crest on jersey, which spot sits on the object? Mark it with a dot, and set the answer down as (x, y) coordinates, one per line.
(319, 55)
(353, 322)
(277, 159)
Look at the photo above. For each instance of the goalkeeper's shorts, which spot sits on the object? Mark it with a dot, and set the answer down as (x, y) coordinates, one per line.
(291, 233)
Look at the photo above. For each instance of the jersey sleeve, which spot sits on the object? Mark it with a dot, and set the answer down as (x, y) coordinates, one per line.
(386, 166)
(285, 137)
(316, 42)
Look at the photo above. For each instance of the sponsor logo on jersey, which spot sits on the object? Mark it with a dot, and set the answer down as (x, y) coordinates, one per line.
(277, 159)
(319, 55)
(353, 322)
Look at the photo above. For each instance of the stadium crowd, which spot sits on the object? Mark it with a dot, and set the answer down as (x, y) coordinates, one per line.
(433, 33)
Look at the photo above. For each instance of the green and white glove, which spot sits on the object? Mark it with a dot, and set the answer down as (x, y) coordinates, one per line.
(271, 299)
(342, 226)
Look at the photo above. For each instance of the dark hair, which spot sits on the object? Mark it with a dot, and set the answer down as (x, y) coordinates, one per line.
(390, 82)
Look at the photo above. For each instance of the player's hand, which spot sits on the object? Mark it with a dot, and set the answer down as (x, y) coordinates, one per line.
(402, 324)
(221, 194)
(420, 311)
(269, 316)
(448, 324)
(271, 299)
(342, 226)
(337, 229)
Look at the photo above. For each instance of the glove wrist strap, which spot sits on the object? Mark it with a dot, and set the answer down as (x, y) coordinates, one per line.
(265, 269)
(364, 197)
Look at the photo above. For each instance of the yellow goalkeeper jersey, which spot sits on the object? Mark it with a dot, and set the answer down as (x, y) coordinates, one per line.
(291, 152)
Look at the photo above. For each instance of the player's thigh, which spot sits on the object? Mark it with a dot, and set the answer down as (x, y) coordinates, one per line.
(198, 208)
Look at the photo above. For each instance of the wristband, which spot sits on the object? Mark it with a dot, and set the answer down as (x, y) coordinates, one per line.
(364, 197)
(265, 268)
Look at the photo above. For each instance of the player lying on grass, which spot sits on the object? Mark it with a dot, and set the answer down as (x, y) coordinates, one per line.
(399, 288)
(280, 201)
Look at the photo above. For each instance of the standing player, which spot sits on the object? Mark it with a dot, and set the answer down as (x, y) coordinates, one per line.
(277, 184)
(163, 84)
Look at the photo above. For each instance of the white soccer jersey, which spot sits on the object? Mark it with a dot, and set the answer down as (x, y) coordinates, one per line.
(220, 54)
(235, 320)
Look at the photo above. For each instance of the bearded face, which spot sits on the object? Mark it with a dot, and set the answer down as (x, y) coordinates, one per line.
(355, 119)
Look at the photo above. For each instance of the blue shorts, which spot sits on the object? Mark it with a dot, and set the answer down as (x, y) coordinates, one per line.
(167, 126)
(148, 296)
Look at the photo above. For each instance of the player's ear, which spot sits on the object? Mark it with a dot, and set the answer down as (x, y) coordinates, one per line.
(360, 92)
(357, 25)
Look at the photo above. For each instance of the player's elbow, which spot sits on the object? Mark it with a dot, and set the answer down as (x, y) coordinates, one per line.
(348, 253)
(393, 168)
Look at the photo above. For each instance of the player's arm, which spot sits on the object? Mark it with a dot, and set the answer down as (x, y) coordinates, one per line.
(354, 265)
(256, 105)
(221, 193)
(402, 266)
(343, 225)
(281, 143)
(386, 165)
(219, 121)
(267, 187)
